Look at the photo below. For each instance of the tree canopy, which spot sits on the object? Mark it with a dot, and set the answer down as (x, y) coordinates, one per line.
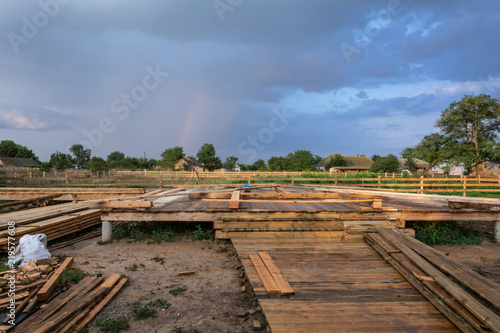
(230, 163)
(61, 161)
(80, 154)
(300, 160)
(468, 134)
(171, 156)
(336, 161)
(9, 148)
(206, 156)
(389, 163)
(97, 164)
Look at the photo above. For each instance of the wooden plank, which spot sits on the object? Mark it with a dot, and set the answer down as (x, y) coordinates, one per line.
(102, 304)
(44, 293)
(234, 203)
(479, 310)
(481, 286)
(292, 201)
(282, 283)
(126, 204)
(264, 275)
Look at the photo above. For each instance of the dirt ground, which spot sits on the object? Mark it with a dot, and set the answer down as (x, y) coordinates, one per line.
(212, 301)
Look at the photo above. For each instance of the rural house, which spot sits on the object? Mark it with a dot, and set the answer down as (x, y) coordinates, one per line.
(189, 163)
(487, 169)
(422, 166)
(355, 164)
(18, 162)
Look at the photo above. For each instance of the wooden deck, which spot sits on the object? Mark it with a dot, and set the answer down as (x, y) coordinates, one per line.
(339, 287)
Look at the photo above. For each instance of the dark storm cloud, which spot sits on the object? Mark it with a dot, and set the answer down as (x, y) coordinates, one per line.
(228, 72)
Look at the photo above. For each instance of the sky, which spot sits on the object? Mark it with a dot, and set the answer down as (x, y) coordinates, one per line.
(256, 78)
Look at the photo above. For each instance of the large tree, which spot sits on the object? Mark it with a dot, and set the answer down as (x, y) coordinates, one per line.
(80, 154)
(389, 163)
(61, 161)
(278, 163)
(9, 148)
(259, 165)
(231, 162)
(471, 127)
(336, 161)
(171, 156)
(97, 164)
(115, 156)
(206, 156)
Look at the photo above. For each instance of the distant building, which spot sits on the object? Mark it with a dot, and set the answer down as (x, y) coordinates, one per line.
(17, 162)
(486, 169)
(354, 164)
(422, 166)
(188, 164)
(453, 170)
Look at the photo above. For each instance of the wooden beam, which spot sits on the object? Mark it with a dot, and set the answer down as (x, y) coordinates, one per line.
(292, 201)
(282, 283)
(456, 215)
(44, 293)
(125, 204)
(264, 275)
(234, 203)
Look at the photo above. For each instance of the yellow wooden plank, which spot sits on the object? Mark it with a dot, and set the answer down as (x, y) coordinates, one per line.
(282, 283)
(264, 275)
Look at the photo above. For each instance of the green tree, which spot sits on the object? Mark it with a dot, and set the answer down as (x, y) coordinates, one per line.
(389, 163)
(259, 165)
(231, 162)
(411, 164)
(278, 163)
(9, 148)
(61, 161)
(80, 154)
(301, 160)
(471, 127)
(171, 156)
(115, 156)
(336, 161)
(97, 164)
(206, 156)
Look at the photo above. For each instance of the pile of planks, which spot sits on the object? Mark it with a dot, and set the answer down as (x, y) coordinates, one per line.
(469, 300)
(53, 221)
(270, 275)
(16, 193)
(49, 310)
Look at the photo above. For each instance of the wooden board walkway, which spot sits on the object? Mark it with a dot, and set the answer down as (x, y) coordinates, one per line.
(339, 287)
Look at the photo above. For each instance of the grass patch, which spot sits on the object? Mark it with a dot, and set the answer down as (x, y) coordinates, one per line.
(446, 233)
(73, 275)
(161, 232)
(161, 260)
(112, 325)
(200, 234)
(143, 311)
(177, 290)
(177, 329)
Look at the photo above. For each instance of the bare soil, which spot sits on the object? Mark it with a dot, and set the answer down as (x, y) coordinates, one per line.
(212, 298)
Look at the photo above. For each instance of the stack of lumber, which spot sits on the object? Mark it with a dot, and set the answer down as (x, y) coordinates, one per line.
(28, 280)
(20, 204)
(68, 310)
(270, 275)
(15, 193)
(469, 300)
(53, 221)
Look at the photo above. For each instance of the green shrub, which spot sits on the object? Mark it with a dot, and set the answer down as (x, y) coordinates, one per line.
(199, 234)
(112, 325)
(143, 311)
(446, 233)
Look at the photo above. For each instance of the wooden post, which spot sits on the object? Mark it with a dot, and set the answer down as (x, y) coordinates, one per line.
(479, 179)
(497, 231)
(248, 180)
(385, 175)
(421, 184)
(336, 180)
(378, 181)
(67, 180)
(393, 176)
(292, 179)
(465, 185)
(44, 174)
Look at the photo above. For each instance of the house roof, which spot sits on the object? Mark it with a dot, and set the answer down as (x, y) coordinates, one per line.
(353, 162)
(420, 163)
(191, 161)
(18, 162)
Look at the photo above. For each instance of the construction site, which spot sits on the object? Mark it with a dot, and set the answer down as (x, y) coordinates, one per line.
(308, 257)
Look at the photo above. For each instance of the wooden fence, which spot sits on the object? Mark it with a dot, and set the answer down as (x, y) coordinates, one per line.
(159, 179)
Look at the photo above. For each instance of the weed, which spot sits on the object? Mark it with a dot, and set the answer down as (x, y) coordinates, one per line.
(73, 329)
(73, 275)
(100, 242)
(137, 235)
(497, 262)
(112, 325)
(479, 268)
(133, 267)
(200, 234)
(123, 276)
(164, 235)
(143, 311)
(445, 233)
(160, 303)
(177, 290)
(85, 263)
(158, 259)
(121, 231)
(97, 273)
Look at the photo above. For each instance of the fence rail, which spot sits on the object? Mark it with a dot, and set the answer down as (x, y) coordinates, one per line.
(159, 179)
